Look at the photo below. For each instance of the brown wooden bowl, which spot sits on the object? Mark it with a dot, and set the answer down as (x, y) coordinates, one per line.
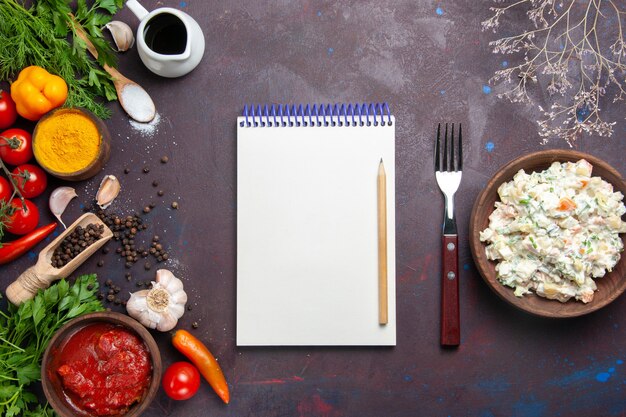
(94, 167)
(52, 385)
(609, 287)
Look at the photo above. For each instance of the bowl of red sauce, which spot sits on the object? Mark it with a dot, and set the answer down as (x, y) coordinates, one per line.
(101, 364)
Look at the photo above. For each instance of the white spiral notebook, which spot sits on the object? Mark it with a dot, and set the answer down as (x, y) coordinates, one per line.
(307, 238)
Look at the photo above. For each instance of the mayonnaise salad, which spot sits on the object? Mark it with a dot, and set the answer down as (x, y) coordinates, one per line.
(555, 230)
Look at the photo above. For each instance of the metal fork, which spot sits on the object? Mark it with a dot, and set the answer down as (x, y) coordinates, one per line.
(448, 171)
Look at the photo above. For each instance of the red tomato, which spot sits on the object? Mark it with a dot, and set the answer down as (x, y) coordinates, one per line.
(16, 146)
(22, 221)
(36, 182)
(6, 191)
(8, 114)
(181, 381)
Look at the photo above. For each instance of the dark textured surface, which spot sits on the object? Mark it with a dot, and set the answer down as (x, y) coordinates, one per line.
(430, 61)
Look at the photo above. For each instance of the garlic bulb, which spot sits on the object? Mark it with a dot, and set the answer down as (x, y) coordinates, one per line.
(122, 35)
(161, 306)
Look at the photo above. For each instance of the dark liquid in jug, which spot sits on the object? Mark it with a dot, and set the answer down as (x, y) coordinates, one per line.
(166, 34)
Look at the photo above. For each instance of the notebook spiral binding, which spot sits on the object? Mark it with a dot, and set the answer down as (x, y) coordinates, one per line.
(284, 115)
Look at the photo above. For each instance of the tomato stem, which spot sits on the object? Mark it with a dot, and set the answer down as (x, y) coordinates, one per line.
(12, 143)
(16, 191)
(22, 174)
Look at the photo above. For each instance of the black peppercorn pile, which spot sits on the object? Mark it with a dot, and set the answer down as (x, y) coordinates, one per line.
(75, 243)
(111, 293)
(125, 230)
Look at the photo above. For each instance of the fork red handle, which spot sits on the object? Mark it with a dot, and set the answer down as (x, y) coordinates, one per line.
(450, 318)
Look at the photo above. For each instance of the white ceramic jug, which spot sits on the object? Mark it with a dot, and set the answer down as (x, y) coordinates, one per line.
(170, 42)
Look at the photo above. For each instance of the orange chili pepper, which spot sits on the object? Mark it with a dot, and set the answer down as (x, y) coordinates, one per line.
(199, 355)
(566, 204)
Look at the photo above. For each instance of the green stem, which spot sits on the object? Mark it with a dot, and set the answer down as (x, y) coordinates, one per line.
(13, 142)
(13, 398)
(12, 345)
(16, 190)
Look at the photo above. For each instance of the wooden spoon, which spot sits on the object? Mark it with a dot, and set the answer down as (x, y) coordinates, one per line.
(135, 101)
(43, 273)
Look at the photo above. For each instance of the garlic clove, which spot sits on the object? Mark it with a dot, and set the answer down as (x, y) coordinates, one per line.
(139, 302)
(176, 310)
(166, 323)
(109, 189)
(179, 297)
(168, 280)
(59, 199)
(155, 319)
(136, 304)
(122, 35)
(137, 307)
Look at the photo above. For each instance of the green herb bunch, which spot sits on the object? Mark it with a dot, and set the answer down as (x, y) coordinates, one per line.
(24, 335)
(44, 34)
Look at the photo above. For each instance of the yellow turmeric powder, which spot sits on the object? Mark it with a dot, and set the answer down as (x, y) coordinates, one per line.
(67, 141)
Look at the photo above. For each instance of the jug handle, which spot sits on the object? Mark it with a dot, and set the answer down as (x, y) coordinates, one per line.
(137, 9)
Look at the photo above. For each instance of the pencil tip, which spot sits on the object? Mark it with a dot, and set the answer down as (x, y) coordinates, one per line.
(381, 160)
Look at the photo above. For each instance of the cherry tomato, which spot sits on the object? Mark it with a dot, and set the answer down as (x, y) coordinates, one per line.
(8, 114)
(181, 381)
(16, 147)
(6, 191)
(22, 221)
(36, 182)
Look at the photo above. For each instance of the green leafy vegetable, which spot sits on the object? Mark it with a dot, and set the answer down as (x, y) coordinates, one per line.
(24, 334)
(44, 35)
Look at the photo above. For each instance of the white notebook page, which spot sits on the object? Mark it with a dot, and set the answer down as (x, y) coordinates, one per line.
(307, 242)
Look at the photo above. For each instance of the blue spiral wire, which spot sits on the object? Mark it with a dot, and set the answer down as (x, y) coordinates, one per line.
(277, 115)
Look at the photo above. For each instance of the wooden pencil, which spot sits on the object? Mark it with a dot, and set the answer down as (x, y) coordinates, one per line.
(382, 244)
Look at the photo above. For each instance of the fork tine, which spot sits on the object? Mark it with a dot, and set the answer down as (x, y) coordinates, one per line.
(437, 146)
(452, 163)
(460, 148)
(445, 150)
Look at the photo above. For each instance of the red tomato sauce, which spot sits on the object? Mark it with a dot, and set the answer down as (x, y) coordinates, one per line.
(104, 369)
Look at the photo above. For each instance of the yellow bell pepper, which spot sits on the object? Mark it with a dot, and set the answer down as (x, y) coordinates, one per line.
(36, 92)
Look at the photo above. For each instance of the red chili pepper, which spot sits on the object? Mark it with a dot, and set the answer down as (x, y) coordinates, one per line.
(196, 352)
(13, 250)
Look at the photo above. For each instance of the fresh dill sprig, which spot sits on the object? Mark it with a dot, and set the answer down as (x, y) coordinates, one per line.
(44, 35)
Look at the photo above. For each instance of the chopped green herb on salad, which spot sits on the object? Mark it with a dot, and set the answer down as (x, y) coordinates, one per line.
(553, 232)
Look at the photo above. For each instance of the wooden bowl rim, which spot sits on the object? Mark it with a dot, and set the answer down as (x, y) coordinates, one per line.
(71, 327)
(506, 173)
(105, 137)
